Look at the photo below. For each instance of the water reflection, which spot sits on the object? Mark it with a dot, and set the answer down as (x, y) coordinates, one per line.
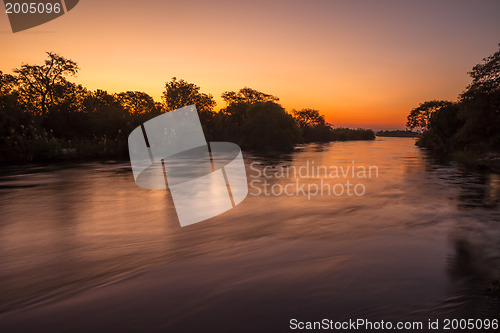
(422, 240)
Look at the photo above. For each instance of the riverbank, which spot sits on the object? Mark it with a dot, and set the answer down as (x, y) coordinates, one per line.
(50, 149)
(471, 160)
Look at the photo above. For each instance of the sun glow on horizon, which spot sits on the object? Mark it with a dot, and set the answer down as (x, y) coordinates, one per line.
(360, 64)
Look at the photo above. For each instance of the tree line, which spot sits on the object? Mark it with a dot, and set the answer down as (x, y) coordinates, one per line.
(469, 126)
(397, 134)
(44, 115)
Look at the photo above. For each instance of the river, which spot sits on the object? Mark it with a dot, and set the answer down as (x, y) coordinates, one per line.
(418, 240)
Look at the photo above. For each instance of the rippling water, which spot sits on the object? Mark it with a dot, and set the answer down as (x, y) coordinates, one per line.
(422, 242)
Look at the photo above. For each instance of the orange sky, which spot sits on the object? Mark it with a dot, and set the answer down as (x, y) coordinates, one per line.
(361, 63)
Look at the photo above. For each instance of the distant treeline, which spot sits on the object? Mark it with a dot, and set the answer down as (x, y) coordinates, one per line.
(469, 127)
(43, 115)
(398, 133)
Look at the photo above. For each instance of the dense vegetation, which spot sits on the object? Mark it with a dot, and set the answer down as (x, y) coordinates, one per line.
(398, 133)
(44, 116)
(469, 126)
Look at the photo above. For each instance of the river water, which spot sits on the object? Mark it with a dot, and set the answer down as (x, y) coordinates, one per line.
(418, 239)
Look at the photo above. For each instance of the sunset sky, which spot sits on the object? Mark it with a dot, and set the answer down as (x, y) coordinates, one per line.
(361, 63)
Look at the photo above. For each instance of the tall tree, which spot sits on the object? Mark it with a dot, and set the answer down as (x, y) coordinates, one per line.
(136, 102)
(269, 127)
(308, 118)
(485, 77)
(420, 117)
(38, 83)
(248, 96)
(179, 93)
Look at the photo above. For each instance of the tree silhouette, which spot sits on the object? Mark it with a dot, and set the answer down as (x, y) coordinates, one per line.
(269, 127)
(471, 125)
(179, 93)
(309, 118)
(137, 102)
(38, 83)
(420, 117)
(248, 96)
(43, 115)
(485, 77)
